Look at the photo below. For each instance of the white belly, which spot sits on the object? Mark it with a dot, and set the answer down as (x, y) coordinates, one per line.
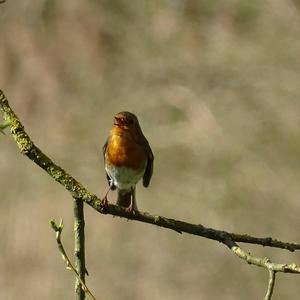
(124, 178)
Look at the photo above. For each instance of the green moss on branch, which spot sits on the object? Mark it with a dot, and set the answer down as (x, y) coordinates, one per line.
(79, 192)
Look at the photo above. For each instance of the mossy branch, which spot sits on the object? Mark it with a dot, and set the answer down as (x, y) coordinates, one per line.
(79, 248)
(78, 191)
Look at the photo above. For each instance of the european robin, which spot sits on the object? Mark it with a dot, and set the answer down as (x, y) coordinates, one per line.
(127, 158)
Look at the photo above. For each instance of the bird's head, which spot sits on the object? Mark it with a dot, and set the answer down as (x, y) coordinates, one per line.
(126, 120)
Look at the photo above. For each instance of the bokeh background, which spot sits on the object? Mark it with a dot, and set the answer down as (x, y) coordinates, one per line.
(216, 86)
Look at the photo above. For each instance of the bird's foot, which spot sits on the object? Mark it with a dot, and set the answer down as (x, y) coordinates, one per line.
(131, 209)
(104, 204)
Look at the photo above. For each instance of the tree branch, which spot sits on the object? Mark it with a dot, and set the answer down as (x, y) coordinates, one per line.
(272, 275)
(4, 125)
(260, 262)
(78, 191)
(58, 229)
(79, 249)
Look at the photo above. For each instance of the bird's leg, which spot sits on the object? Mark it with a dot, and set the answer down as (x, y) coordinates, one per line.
(104, 200)
(105, 196)
(132, 206)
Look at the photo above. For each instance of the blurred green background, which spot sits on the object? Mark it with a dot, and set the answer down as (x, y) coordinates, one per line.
(216, 87)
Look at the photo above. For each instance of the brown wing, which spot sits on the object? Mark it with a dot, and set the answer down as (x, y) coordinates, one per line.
(107, 177)
(104, 149)
(149, 167)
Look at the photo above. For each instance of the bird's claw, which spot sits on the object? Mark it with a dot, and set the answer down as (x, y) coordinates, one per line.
(104, 204)
(130, 209)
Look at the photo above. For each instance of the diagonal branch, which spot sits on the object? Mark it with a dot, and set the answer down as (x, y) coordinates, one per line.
(260, 262)
(78, 191)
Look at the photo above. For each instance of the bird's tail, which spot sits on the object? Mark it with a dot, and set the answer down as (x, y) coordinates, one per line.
(127, 198)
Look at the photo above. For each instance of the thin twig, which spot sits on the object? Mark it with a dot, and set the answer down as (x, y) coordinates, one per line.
(4, 125)
(271, 283)
(58, 229)
(260, 261)
(264, 263)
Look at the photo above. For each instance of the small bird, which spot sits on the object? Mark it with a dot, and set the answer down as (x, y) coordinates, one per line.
(127, 158)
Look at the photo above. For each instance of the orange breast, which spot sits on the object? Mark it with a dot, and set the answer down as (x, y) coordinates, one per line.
(123, 150)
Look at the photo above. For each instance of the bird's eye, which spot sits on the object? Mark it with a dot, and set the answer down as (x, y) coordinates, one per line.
(130, 121)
